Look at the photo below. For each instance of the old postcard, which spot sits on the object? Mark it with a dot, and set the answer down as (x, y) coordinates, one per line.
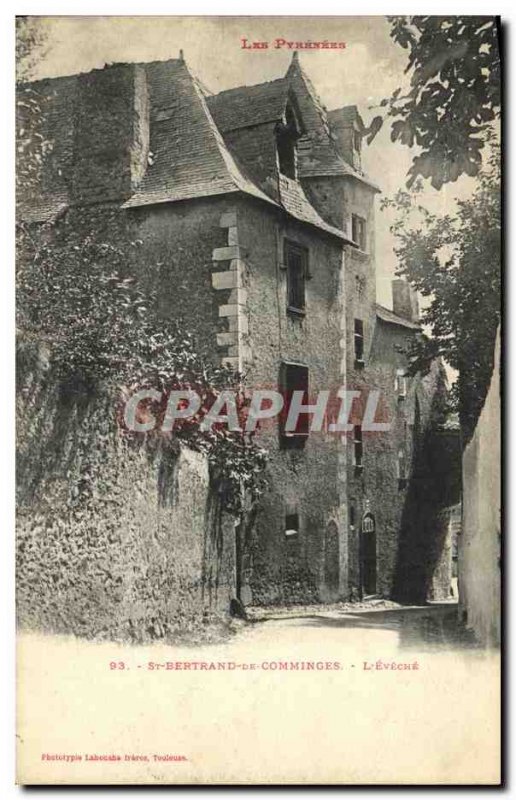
(258, 400)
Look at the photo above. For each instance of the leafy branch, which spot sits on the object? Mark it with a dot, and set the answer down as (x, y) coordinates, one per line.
(452, 98)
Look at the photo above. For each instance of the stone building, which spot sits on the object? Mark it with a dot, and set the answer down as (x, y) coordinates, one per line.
(256, 221)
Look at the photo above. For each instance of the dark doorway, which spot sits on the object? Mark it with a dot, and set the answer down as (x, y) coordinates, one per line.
(368, 555)
(331, 559)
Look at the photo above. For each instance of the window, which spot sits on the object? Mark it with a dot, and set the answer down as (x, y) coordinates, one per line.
(294, 378)
(358, 449)
(400, 384)
(368, 525)
(357, 141)
(296, 262)
(291, 525)
(287, 134)
(359, 341)
(352, 517)
(360, 285)
(358, 231)
(401, 469)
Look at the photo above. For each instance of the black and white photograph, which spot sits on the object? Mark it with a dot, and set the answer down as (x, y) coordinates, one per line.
(258, 404)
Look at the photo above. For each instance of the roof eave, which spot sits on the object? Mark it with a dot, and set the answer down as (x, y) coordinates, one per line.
(401, 323)
(134, 202)
(326, 173)
(141, 202)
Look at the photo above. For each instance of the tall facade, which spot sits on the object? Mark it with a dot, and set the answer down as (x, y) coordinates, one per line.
(480, 540)
(256, 221)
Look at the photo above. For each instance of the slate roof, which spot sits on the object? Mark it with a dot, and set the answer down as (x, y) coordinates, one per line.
(386, 315)
(190, 158)
(246, 106)
(189, 154)
(320, 159)
(317, 152)
(296, 203)
(55, 98)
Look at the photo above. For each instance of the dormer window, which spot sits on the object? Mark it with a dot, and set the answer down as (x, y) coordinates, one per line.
(287, 134)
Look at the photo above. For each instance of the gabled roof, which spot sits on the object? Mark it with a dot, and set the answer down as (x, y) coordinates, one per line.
(246, 106)
(386, 315)
(190, 156)
(317, 151)
(249, 105)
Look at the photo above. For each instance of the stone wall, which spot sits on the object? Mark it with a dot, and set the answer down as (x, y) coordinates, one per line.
(313, 564)
(117, 538)
(219, 264)
(406, 512)
(480, 538)
(96, 129)
(413, 560)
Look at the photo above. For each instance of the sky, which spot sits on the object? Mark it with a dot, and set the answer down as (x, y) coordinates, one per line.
(369, 68)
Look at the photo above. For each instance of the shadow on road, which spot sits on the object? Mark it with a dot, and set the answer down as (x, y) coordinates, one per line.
(435, 626)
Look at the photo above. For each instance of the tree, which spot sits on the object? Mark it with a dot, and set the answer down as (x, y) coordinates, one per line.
(30, 44)
(78, 296)
(453, 96)
(454, 262)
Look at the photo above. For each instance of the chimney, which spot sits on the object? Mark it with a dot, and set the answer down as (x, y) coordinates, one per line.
(111, 140)
(404, 300)
(347, 126)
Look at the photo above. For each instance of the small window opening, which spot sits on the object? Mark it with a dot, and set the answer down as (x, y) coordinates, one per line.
(360, 285)
(400, 384)
(296, 261)
(358, 231)
(291, 525)
(359, 341)
(358, 448)
(294, 378)
(352, 517)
